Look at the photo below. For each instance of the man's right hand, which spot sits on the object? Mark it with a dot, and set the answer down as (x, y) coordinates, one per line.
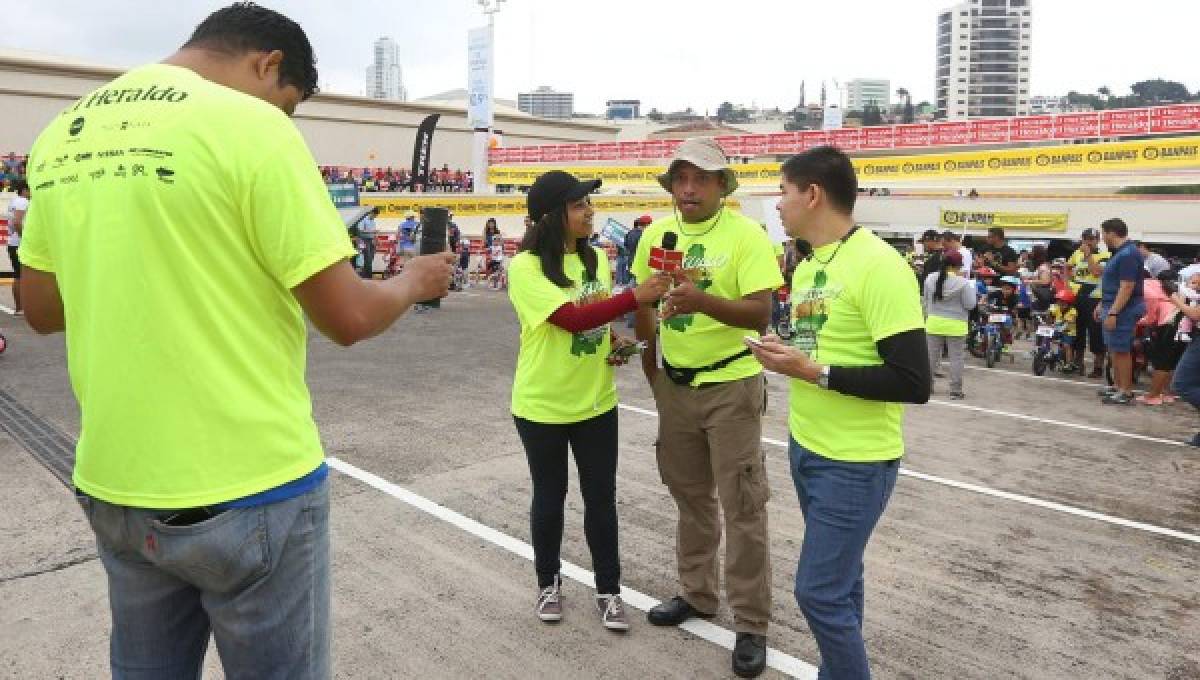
(428, 277)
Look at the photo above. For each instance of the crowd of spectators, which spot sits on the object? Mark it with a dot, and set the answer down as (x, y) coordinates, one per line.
(390, 179)
(12, 169)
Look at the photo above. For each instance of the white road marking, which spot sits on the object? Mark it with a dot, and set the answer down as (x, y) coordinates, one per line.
(1006, 495)
(1019, 374)
(1047, 421)
(1061, 423)
(705, 630)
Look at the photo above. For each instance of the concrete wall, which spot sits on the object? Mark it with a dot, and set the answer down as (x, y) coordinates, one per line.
(341, 130)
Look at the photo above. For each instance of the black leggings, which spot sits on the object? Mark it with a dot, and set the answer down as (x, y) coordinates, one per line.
(594, 443)
(1087, 328)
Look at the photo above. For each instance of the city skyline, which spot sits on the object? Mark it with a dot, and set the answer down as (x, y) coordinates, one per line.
(697, 58)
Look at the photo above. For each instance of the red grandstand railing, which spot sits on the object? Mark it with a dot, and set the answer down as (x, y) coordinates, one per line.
(1153, 120)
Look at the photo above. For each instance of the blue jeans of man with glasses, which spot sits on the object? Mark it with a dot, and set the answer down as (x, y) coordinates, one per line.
(1186, 382)
(256, 579)
(841, 503)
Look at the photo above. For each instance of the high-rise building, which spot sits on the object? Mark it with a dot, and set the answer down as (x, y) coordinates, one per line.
(983, 59)
(547, 103)
(863, 92)
(623, 109)
(384, 77)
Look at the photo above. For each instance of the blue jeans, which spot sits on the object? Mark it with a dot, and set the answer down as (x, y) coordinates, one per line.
(1186, 382)
(256, 579)
(841, 503)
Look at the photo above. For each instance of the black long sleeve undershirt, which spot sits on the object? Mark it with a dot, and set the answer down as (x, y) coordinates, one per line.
(904, 377)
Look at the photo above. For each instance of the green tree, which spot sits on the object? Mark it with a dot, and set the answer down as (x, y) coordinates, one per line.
(872, 115)
(1159, 91)
(909, 114)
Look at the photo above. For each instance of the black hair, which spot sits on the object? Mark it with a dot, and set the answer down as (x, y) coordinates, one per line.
(246, 27)
(1039, 255)
(996, 231)
(19, 185)
(943, 270)
(829, 169)
(949, 235)
(546, 238)
(1116, 226)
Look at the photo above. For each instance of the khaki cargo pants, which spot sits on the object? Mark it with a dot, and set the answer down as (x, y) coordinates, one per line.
(709, 450)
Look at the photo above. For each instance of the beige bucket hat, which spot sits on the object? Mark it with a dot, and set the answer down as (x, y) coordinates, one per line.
(706, 154)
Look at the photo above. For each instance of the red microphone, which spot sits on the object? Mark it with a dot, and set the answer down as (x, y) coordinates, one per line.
(666, 258)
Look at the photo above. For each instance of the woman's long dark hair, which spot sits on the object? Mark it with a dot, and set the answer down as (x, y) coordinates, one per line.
(941, 280)
(547, 239)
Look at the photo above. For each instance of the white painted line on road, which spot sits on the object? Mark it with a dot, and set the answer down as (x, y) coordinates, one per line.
(1061, 423)
(1019, 374)
(1051, 505)
(705, 630)
(1047, 421)
(1006, 495)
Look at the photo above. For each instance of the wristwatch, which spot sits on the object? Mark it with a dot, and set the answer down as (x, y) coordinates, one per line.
(823, 379)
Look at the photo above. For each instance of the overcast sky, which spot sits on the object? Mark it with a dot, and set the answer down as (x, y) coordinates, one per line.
(669, 53)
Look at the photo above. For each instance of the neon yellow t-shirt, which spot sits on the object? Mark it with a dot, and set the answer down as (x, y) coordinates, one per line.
(176, 215)
(1068, 317)
(731, 260)
(779, 251)
(1081, 274)
(940, 325)
(865, 294)
(561, 377)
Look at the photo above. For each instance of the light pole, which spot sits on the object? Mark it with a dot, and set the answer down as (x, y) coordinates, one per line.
(481, 83)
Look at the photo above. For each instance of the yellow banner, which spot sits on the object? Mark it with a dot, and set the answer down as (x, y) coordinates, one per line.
(1153, 154)
(488, 206)
(966, 220)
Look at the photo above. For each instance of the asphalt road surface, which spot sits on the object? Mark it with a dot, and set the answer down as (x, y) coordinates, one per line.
(1033, 534)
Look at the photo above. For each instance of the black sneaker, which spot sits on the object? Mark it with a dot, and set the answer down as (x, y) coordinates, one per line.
(673, 612)
(1121, 398)
(749, 655)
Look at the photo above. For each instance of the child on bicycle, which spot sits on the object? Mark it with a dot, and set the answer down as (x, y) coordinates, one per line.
(1065, 317)
(495, 265)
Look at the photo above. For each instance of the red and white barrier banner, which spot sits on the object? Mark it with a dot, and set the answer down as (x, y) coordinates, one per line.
(1152, 120)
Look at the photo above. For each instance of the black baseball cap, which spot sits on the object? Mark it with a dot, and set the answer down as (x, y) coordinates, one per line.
(554, 189)
(1090, 234)
(931, 235)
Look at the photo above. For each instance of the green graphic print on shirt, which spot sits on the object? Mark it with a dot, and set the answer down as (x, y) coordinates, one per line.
(698, 270)
(589, 341)
(810, 311)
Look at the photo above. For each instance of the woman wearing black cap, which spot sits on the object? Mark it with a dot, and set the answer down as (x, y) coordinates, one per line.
(563, 393)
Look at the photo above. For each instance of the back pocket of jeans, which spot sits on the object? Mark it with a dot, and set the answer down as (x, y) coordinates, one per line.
(221, 555)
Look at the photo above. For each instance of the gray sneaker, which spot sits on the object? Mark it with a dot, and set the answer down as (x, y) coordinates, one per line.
(549, 602)
(612, 612)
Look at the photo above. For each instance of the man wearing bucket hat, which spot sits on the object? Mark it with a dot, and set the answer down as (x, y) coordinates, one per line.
(711, 394)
